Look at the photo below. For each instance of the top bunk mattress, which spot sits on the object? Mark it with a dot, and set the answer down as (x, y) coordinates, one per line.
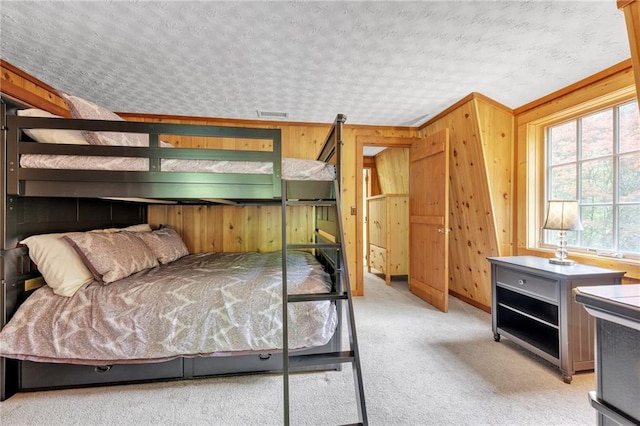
(292, 168)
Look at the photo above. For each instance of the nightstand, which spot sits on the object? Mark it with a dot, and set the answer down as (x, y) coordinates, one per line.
(533, 305)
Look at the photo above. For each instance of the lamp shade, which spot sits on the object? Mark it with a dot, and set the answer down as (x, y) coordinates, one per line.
(563, 215)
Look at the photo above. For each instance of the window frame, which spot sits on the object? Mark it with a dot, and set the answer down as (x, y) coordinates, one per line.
(545, 240)
(531, 124)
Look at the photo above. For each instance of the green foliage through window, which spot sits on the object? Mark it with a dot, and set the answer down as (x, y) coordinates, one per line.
(595, 159)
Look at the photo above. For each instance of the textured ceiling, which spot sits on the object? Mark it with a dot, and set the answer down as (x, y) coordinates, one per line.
(395, 63)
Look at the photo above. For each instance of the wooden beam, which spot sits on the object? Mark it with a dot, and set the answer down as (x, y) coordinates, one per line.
(471, 96)
(23, 95)
(577, 86)
(623, 3)
(27, 89)
(631, 10)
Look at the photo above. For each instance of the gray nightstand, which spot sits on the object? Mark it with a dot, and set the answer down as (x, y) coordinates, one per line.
(533, 305)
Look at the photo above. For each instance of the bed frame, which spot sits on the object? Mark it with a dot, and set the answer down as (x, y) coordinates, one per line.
(46, 201)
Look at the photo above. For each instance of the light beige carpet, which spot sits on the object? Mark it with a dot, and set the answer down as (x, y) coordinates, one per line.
(420, 367)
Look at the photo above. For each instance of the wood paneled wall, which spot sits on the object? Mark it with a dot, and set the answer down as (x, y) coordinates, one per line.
(480, 199)
(234, 228)
(392, 166)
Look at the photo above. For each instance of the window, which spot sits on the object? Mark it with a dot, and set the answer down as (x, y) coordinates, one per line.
(595, 159)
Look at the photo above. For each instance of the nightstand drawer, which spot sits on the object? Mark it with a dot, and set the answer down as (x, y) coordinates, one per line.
(526, 283)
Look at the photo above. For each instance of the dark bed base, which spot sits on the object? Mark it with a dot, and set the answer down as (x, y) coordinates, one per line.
(36, 376)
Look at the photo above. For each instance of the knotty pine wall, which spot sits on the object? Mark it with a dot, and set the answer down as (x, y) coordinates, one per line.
(206, 228)
(392, 167)
(481, 192)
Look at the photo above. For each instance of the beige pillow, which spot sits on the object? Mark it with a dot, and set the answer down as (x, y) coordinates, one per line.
(165, 244)
(82, 108)
(63, 136)
(58, 262)
(143, 227)
(112, 256)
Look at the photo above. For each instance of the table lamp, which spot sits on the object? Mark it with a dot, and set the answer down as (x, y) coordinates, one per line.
(562, 216)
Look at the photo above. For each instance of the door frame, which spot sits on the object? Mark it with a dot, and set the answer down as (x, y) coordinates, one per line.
(361, 141)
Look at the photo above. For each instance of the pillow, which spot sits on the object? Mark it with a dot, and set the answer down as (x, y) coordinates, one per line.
(81, 108)
(59, 264)
(165, 244)
(112, 256)
(73, 137)
(143, 227)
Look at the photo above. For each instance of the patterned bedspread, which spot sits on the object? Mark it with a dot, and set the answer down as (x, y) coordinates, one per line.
(202, 304)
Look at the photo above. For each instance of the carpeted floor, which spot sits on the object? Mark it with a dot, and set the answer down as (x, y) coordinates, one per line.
(420, 367)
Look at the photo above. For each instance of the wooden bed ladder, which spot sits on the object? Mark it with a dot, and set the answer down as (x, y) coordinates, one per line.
(341, 294)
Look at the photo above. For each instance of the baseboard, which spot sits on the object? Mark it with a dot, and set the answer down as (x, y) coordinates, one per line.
(470, 301)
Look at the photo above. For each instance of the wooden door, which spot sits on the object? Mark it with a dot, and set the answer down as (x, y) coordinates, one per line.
(429, 219)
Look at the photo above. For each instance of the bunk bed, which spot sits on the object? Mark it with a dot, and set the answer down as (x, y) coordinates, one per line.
(44, 192)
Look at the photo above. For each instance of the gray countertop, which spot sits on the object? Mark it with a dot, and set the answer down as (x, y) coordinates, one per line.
(542, 264)
(614, 303)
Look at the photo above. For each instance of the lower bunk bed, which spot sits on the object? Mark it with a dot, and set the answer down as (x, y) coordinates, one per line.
(232, 333)
(185, 316)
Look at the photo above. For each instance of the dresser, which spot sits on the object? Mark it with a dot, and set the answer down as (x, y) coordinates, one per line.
(617, 313)
(533, 305)
(388, 234)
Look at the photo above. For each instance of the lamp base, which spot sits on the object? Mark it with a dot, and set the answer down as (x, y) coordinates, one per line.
(566, 262)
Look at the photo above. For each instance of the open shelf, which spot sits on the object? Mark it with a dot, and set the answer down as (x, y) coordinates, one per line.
(535, 309)
(532, 331)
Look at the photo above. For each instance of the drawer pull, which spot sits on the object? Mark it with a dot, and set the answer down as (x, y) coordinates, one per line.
(264, 357)
(102, 368)
(522, 282)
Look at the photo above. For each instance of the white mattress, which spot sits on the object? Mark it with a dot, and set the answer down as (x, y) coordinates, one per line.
(292, 168)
